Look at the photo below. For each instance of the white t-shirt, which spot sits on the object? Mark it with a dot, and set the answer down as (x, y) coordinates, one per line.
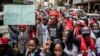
(45, 33)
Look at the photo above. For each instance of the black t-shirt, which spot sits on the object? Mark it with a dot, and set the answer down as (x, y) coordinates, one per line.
(53, 30)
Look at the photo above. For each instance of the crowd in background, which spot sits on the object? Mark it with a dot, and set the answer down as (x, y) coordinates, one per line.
(56, 33)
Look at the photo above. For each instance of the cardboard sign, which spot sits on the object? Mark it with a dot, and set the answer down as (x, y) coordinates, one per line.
(19, 14)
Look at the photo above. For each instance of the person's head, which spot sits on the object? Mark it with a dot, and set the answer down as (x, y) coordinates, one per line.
(3, 43)
(65, 35)
(33, 44)
(96, 29)
(38, 20)
(66, 38)
(15, 45)
(57, 47)
(60, 17)
(45, 20)
(95, 26)
(22, 28)
(52, 19)
(67, 16)
(53, 15)
(86, 32)
(78, 23)
(33, 27)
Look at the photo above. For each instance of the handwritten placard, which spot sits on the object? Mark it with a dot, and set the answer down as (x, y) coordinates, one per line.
(19, 14)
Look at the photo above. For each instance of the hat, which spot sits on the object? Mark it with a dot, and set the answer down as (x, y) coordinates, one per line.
(4, 41)
(22, 26)
(85, 30)
(67, 15)
(53, 13)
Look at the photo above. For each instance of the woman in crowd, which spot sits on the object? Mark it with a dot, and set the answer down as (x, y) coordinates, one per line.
(56, 48)
(96, 31)
(32, 49)
(70, 48)
(75, 39)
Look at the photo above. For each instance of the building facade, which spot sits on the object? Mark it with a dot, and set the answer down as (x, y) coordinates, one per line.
(87, 5)
(52, 3)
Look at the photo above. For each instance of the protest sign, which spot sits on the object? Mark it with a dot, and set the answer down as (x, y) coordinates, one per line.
(19, 14)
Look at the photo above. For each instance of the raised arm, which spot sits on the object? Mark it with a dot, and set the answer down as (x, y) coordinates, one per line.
(14, 29)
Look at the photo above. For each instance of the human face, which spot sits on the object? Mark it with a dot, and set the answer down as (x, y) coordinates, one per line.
(32, 45)
(96, 29)
(44, 22)
(95, 26)
(58, 50)
(22, 29)
(38, 21)
(65, 36)
(15, 45)
(52, 19)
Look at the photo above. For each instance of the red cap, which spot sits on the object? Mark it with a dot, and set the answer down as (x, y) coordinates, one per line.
(22, 26)
(4, 41)
(53, 13)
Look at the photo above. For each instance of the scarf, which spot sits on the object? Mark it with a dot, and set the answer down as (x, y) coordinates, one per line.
(69, 24)
(76, 31)
(45, 33)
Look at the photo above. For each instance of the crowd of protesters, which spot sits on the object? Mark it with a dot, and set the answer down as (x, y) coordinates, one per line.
(56, 33)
